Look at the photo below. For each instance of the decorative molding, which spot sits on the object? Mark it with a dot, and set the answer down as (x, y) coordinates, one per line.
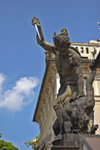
(85, 44)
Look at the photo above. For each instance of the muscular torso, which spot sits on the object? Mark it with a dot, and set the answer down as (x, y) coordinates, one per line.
(66, 67)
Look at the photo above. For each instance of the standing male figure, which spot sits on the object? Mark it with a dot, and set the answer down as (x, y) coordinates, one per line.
(69, 67)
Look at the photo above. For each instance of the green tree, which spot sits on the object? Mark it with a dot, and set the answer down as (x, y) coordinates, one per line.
(29, 143)
(6, 145)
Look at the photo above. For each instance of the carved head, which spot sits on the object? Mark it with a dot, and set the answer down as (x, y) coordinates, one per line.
(62, 39)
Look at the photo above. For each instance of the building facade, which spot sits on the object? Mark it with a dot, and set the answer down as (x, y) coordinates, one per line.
(44, 112)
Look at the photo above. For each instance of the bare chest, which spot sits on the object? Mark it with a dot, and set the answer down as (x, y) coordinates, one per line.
(64, 62)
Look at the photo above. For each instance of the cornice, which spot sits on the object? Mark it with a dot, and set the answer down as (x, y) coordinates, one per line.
(85, 44)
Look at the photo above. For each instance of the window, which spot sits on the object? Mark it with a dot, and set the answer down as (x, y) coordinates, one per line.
(77, 48)
(87, 50)
(95, 51)
(82, 51)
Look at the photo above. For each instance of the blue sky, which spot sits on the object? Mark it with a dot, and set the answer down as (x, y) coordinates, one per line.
(22, 60)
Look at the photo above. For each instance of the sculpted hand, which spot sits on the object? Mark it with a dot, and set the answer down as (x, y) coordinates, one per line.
(35, 21)
(37, 25)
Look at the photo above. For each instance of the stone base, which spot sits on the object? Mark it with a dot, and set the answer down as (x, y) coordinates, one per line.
(64, 148)
(70, 141)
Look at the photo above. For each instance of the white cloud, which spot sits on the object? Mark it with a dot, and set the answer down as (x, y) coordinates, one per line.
(2, 79)
(20, 95)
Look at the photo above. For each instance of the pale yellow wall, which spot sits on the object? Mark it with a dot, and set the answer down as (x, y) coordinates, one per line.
(98, 83)
(97, 115)
(95, 85)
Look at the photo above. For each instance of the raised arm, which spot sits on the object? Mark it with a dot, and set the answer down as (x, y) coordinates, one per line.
(40, 40)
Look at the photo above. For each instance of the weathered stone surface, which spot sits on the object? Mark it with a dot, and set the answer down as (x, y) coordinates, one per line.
(69, 67)
(77, 115)
(64, 148)
(71, 141)
(96, 62)
(74, 110)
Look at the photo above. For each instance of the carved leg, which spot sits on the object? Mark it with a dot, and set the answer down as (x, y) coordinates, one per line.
(58, 111)
(56, 127)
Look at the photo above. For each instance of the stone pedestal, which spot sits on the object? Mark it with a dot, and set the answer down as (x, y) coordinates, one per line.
(64, 148)
(70, 141)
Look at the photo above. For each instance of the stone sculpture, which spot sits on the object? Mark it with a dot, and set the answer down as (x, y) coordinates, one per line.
(68, 63)
(74, 110)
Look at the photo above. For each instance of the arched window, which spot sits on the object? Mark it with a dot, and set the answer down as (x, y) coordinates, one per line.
(87, 50)
(95, 50)
(82, 50)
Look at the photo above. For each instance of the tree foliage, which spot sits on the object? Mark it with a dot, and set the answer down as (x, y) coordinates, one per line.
(6, 145)
(29, 143)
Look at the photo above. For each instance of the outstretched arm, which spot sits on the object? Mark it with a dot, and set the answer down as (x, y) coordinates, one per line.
(40, 40)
